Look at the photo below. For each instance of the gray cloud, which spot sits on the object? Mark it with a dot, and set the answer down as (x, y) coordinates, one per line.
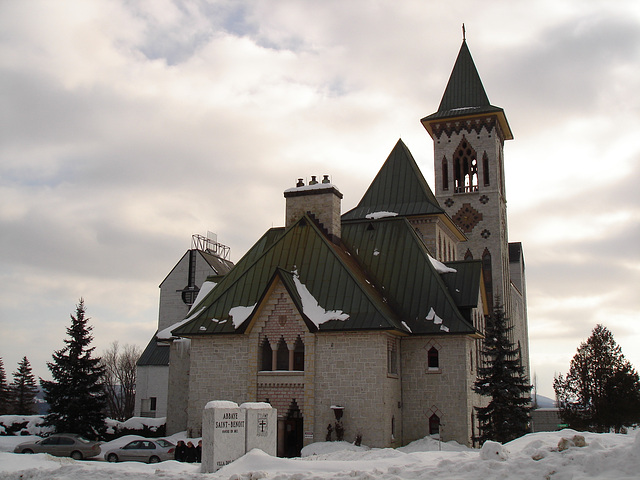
(127, 128)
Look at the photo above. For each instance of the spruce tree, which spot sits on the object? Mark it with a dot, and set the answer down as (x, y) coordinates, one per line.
(5, 392)
(602, 389)
(502, 379)
(24, 389)
(75, 395)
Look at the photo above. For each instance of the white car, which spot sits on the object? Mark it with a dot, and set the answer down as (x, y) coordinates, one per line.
(142, 450)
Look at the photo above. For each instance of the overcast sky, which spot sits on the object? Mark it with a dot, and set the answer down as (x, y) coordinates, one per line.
(128, 126)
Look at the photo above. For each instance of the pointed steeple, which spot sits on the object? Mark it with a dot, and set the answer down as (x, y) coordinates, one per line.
(465, 88)
(465, 96)
(398, 188)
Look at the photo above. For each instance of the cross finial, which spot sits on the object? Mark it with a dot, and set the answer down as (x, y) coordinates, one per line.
(464, 36)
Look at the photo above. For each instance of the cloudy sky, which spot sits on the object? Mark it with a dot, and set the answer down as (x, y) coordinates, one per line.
(128, 126)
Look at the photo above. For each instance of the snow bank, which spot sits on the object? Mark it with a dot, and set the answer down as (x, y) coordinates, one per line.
(493, 451)
(604, 457)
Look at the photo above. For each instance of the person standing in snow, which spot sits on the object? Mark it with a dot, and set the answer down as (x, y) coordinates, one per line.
(199, 452)
(181, 451)
(190, 456)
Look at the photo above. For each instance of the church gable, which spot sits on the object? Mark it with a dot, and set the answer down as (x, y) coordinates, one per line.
(332, 293)
(401, 266)
(399, 189)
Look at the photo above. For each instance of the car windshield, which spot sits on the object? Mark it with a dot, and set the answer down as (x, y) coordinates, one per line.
(164, 443)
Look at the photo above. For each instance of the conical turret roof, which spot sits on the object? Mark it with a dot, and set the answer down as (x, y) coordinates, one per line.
(465, 95)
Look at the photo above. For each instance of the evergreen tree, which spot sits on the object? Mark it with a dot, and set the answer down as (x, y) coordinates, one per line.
(5, 392)
(502, 378)
(75, 395)
(24, 389)
(602, 389)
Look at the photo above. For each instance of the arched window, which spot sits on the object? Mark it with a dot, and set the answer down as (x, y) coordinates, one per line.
(282, 359)
(485, 169)
(433, 361)
(298, 356)
(434, 425)
(266, 355)
(465, 166)
(445, 174)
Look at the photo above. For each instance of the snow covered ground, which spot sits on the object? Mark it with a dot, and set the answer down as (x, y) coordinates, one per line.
(534, 456)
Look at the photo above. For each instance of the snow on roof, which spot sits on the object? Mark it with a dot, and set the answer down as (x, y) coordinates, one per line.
(312, 309)
(433, 317)
(206, 287)
(255, 405)
(166, 333)
(316, 186)
(239, 314)
(221, 404)
(441, 267)
(381, 214)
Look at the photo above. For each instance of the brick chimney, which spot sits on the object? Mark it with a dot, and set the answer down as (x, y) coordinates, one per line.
(322, 199)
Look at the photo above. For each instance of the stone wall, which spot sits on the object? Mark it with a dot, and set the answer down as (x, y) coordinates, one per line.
(178, 395)
(218, 372)
(445, 391)
(153, 380)
(351, 371)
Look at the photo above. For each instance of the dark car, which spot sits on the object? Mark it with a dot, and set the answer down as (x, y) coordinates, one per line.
(142, 450)
(62, 445)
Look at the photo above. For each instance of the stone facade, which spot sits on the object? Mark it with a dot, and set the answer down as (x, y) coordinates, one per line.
(386, 400)
(478, 205)
(444, 391)
(154, 381)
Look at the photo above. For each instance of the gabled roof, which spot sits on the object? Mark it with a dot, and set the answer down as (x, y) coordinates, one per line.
(398, 262)
(219, 266)
(465, 96)
(399, 187)
(465, 283)
(155, 354)
(331, 277)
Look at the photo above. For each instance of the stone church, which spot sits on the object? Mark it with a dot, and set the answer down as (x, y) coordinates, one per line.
(372, 319)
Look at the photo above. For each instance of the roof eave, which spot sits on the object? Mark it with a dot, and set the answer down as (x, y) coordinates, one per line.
(439, 117)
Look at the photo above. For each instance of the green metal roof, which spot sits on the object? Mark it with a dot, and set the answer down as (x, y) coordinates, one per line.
(464, 284)
(399, 187)
(465, 95)
(398, 261)
(154, 354)
(325, 269)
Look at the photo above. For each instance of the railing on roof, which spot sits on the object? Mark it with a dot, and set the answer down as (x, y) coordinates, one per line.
(210, 245)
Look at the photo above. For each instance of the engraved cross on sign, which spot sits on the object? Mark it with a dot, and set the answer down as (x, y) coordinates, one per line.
(262, 426)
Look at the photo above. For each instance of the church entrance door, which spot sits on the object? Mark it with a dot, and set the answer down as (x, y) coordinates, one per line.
(290, 432)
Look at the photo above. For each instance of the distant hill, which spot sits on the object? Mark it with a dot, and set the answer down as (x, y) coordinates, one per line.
(544, 402)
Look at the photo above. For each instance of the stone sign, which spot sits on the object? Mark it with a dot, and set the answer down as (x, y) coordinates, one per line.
(229, 431)
(223, 435)
(262, 427)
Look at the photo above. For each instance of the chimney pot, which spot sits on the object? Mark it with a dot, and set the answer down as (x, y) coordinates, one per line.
(300, 183)
(325, 179)
(313, 180)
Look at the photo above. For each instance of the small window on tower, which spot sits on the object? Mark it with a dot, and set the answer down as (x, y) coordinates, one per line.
(485, 169)
(445, 174)
(433, 361)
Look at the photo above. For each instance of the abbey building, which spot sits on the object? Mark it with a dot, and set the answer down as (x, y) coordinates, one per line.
(372, 319)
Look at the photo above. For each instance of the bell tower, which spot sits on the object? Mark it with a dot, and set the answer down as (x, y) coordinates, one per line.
(469, 134)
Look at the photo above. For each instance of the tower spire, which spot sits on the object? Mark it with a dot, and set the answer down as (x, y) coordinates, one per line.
(464, 36)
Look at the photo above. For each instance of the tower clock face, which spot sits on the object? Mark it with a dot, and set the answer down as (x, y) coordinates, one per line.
(467, 217)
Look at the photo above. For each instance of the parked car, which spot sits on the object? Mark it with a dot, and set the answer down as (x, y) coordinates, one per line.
(142, 450)
(62, 445)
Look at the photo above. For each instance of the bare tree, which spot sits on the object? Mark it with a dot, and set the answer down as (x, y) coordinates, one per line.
(119, 379)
